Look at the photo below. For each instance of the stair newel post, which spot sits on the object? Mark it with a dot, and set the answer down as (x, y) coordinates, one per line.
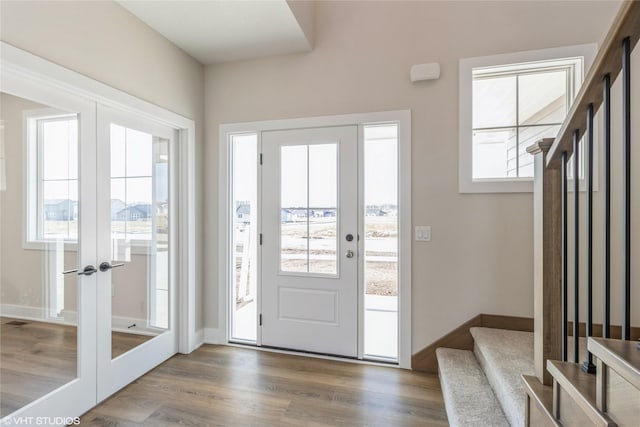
(547, 260)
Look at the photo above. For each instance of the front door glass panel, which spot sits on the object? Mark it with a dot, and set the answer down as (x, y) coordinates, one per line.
(308, 208)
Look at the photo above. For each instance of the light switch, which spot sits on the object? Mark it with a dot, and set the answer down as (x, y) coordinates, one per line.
(423, 233)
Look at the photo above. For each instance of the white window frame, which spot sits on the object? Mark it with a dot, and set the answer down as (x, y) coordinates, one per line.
(33, 170)
(466, 183)
(221, 335)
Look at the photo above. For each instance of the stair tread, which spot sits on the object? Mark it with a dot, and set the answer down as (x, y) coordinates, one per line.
(542, 395)
(469, 398)
(505, 356)
(579, 385)
(622, 356)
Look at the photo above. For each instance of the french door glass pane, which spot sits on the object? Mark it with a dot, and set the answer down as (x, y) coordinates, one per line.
(38, 321)
(140, 206)
(381, 241)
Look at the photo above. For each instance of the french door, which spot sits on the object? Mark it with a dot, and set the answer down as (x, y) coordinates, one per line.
(99, 223)
(309, 240)
(136, 247)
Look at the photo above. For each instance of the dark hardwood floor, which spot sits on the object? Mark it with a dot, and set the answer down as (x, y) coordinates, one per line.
(230, 386)
(39, 357)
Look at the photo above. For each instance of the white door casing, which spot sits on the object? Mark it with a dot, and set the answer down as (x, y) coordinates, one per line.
(310, 296)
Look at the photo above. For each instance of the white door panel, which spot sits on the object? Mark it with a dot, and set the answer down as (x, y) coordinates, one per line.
(309, 268)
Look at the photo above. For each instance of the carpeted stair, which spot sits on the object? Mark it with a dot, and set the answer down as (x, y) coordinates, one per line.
(468, 396)
(492, 373)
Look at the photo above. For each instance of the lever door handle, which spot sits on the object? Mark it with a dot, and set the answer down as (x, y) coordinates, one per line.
(87, 271)
(106, 266)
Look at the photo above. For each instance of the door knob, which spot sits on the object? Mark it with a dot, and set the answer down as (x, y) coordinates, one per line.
(349, 254)
(106, 266)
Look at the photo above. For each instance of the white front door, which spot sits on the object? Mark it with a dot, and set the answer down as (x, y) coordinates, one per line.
(309, 240)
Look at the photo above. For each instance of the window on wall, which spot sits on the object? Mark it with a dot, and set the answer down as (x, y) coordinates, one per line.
(52, 167)
(508, 103)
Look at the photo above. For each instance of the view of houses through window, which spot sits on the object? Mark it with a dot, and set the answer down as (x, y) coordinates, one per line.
(308, 228)
(138, 183)
(54, 170)
(309, 202)
(381, 241)
(245, 236)
(53, 147)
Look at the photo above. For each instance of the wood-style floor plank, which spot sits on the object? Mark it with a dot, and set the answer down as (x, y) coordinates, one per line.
(39, 357)
(231, 386)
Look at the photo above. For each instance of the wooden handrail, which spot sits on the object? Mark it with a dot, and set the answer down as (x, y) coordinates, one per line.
(607, 61)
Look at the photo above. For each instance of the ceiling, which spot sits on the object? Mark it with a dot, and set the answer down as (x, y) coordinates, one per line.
(215, 31)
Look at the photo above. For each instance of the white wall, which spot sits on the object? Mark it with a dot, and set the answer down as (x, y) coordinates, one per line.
(480, 259)
(102, 40)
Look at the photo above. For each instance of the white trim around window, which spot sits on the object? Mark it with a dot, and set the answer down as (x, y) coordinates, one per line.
(466, 183)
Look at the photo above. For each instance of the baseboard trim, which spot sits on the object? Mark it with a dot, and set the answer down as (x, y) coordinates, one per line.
(460, 338)
(70, 318)
(198, 339)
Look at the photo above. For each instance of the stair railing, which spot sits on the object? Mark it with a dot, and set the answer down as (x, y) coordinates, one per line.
(551, 222)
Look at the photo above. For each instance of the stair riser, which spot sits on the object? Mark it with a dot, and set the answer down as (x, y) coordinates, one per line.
(502, 354)
(535, 417)
(569, 413)
(622, 400)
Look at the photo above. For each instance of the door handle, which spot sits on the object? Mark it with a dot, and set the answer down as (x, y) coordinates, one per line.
(106, 266)
(87, 271)
(349, 254)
